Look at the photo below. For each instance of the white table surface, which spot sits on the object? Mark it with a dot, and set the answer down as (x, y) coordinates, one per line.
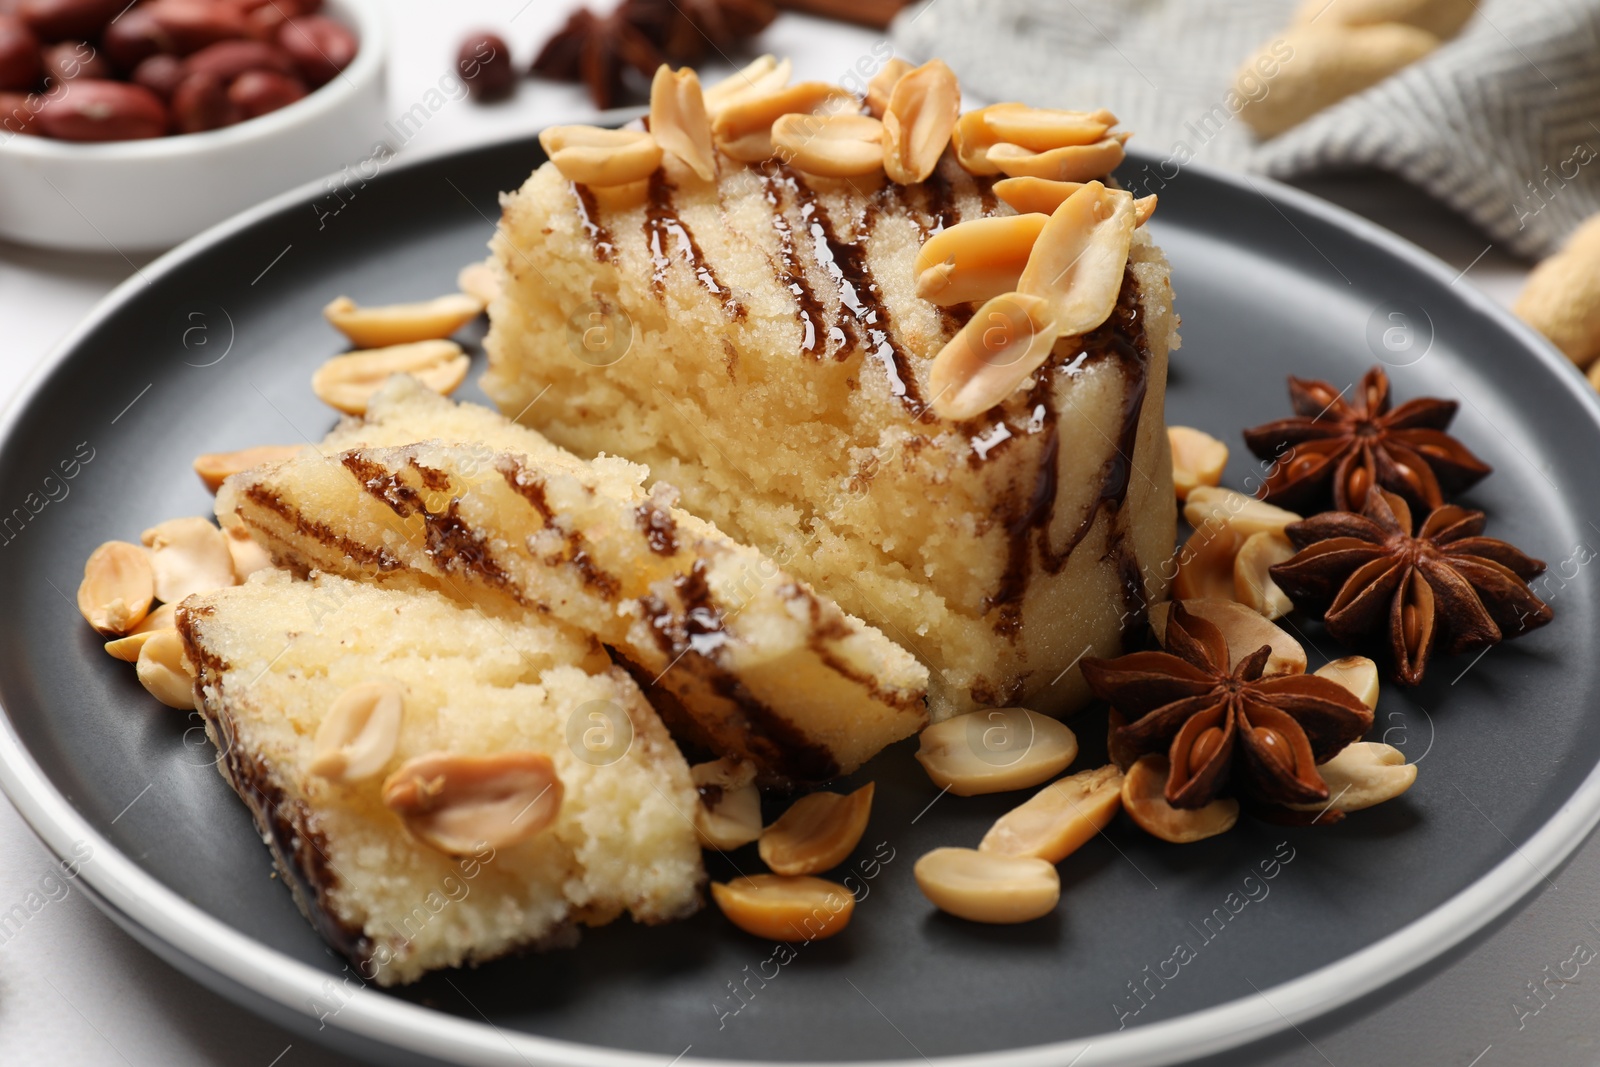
(75, 990)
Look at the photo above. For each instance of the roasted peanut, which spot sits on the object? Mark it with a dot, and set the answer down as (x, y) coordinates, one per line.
(917, 121)
(1363, 774)
(742, 127)
(117, 588)
(832, 146)
(216, 467)
(591, 155)
(400, 324)
(164, 670)
(785, 908)
(817, 833)
(1069, 163)
(1041, 129)
(1197, 459)
(1245, 515)
(988, 887)
(1144, 798)
(1442, 18)
(1080, 257)
(1357, 674)
(764, 74)
(188, 556)
(347, 382)
(976, 260)
(729, 813)
(1205, 565)
(994, 750)
(359, 734)
(457, 803)
(1044, 196)
(248, 555)
(1244, 630)
(479, 281)
(883, 83)
(127, 648)
(1252, 581)
(1004, 342)
(1327, 63)
(1057, 820)
(678, 119)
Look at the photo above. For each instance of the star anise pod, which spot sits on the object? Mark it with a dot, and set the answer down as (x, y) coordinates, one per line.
(1226, 730)
(598, 50)
(1444, 587)
(690, 30)
(1337, 449)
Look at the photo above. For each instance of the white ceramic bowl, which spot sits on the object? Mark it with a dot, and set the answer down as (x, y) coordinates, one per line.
(145, 195)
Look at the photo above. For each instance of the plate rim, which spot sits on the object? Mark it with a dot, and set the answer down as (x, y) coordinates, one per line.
(193, 937)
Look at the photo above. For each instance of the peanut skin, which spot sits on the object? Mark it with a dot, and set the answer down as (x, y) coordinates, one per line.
(1562, 297)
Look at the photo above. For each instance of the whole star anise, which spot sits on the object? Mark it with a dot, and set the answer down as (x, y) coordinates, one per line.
(691, 30)
(598, 50)
(1226, 730)
(1444, 586)
(1333, 449)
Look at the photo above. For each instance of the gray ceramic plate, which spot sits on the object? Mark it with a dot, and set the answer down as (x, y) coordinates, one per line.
(211, 348)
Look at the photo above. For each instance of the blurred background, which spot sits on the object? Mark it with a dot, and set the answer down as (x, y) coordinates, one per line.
(1450, 139)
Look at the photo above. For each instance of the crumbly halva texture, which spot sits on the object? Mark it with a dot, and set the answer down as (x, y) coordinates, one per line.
(274, 654)
(758, 342)
(741, 658)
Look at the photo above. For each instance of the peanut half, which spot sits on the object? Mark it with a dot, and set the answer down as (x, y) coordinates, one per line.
(1197, 459)
(678, 119)
(1041, 129)
(216, 467)
(832, 146)
(593, 155)
(817, 833)
(1069, 163)
(247, 554)
(987, 887)
(1144, 798)
(1252, 583)
(1244, 630)
(764, 74)
(971, 140)
(127, 648)
(1363, 774)
(742, 129)
(1004, 342)
(917, 121)
(1079, 259)
(359, 734)
(479, 281)
(164, 670)
(457, 803)
(401, 324)
(1044, 196)
(729, 813)
(188, 556)
(347, 382)
(1060, 818)
(785, 907)
(1357, 674)
(117, 588)
(1205, 565)
(1245, 515)
(976, 260)
(994, 750)
(882, 85)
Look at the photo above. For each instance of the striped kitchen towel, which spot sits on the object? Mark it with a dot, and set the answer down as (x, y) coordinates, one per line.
(1502, 123)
